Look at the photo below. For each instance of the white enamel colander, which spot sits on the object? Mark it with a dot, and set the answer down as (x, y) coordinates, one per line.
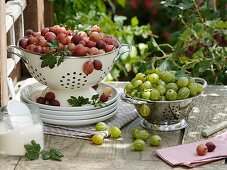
(68, 78)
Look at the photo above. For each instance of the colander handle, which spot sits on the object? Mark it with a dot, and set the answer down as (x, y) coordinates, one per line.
(131, 101)
(201, 81)
(125, 51)
(19, 55)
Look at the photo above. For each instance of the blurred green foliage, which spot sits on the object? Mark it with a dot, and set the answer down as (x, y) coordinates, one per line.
(199, 48)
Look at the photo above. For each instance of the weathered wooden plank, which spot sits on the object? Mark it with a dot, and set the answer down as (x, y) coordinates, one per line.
(14, 9)
(49, 13)
(3, 57)
(33, 15)
(8, 162)
(95, 164)
(117, 154)
(210, 109)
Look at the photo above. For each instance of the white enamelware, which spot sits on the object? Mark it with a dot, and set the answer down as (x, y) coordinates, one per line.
(45, 114)
(69, 74)
(68, 78)
(78, 122)
(79, 112)
(31, 92)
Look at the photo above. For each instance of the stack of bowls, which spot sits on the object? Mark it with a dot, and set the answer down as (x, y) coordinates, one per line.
(71, 116)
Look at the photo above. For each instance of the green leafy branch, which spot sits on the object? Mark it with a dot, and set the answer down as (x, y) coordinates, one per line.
(33, 152)
(75, 102)
(56, 58)
(95, 100)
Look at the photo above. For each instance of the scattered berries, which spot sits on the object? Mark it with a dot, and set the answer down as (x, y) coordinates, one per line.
(49, 96)
(104, 98)
(41, 100)
(97, 139)
(201, 149)
(54, 102)
(211, 146)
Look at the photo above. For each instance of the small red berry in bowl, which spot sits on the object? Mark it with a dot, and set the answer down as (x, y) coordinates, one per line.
(49, 96)
(41, 100)
(104, 98)
(54, 102)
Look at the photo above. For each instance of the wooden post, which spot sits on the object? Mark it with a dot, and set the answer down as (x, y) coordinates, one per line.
(34, 15)
(33, 19)
(3, 56)
(49, 13)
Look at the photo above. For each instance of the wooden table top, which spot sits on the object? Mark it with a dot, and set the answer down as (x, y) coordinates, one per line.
(210, 109)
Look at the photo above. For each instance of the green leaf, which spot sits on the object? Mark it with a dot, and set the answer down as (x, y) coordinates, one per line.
(164, 66)
(185, 5)
(36, 146)
(45, 155)
(60, 60)
(181, 73)
(49, 60)
(101, 6)
(217, 24)
(57, 152)
(134, 21)
(91, 14)
(32, 155)
(28, 147)
(185, 36)
(95, 97)
(73, 101)
(121, 2)
(32, 150)
(153, 46)
(53, 44)
(112, 5)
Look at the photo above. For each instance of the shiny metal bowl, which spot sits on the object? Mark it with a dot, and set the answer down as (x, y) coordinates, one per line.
(164, 115)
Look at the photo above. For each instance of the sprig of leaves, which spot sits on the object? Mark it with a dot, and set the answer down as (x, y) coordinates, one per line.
(95, 100)
(33, 152)
(52, 154)
(78, 101)
(50, 60)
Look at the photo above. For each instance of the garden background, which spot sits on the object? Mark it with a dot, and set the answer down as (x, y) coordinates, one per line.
(187, 36)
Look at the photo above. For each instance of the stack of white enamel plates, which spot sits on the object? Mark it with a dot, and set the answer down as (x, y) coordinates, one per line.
(71, 116)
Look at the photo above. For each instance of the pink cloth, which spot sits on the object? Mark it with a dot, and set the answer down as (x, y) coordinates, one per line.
(186, 154)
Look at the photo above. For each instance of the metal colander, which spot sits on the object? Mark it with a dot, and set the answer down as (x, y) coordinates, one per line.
(164, 115)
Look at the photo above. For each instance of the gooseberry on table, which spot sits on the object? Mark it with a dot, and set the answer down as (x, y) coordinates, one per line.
(97, 139)
(138, 145)
(101, 126)
(115, 132)
(155, 140)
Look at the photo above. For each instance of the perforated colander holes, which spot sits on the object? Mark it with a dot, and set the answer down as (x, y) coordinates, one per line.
(167, 113)
(177, 114)
(38, 76)
(73, 80)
